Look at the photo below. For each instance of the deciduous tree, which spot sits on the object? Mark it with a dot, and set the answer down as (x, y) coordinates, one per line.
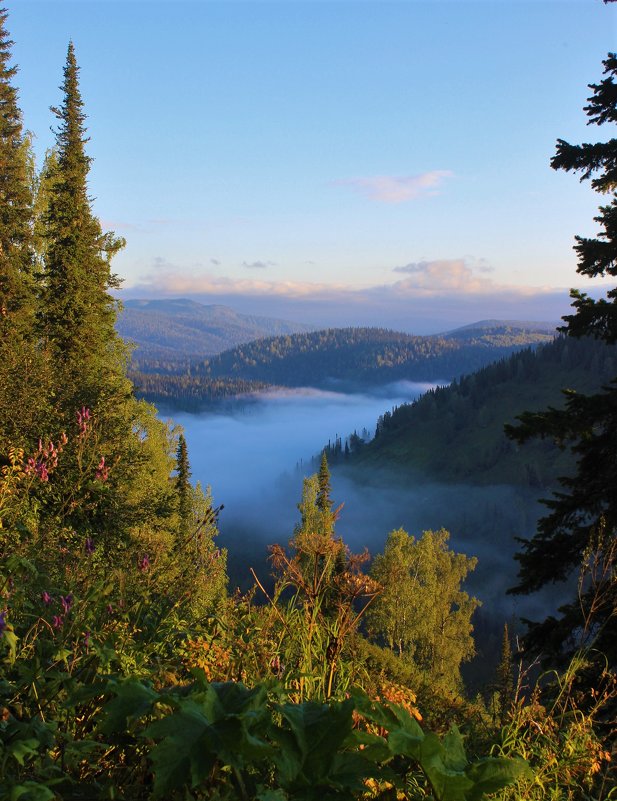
(422, 611)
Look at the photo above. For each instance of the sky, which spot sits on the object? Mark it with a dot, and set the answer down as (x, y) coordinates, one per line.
(335, 162)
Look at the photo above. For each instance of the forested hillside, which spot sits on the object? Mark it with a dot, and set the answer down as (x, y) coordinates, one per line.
(456, 432)
(359, 356)
(178, 328)
(348, 359)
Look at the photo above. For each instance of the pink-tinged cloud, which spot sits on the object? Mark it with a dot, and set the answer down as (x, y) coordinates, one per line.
(397, 188)
(430, 296)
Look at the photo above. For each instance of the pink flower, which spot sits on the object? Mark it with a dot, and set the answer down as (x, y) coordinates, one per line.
(57, 621)
(46, 598)
(102, 471)
(144, 563)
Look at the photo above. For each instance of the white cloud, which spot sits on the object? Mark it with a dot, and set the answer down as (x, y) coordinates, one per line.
(397, 188)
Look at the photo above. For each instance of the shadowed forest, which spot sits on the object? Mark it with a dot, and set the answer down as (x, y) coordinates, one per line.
(131, 666)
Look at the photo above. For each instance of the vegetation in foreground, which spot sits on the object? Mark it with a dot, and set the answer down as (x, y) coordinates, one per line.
(127, 670)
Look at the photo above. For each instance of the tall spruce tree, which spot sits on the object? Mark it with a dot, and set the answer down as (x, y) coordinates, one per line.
(78, 313)
(183, 487)
(581, 527)
(22, 369)
(16, 256)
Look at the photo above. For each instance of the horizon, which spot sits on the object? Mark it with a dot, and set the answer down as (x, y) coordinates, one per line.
(332, 163)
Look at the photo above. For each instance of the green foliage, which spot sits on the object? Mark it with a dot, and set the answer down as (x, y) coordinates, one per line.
(455, 432)
(559, 730)
(581, 526)
(422, 611)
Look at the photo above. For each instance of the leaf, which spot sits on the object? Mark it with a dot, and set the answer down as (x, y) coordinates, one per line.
(21, 750)
(449, 784)
(11, 640)
(316, 732)
(494, 773)
(132, 700)
(272, 795)
(34, 791)
(454, 750)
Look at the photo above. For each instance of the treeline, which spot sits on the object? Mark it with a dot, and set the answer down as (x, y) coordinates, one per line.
(346, 358)
(193, 393)
(455, 432)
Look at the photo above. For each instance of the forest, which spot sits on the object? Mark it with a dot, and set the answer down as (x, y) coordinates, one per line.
(130, 670)
(343, 359)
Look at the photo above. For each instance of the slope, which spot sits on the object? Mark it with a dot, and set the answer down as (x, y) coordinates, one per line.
(176, 328)
(455, 433)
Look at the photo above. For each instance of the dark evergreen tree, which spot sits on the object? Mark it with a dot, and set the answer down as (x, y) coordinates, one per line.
(23, 383)
(16, 256)
(78, 313)
(183, 486)
(505, 679)
(324, 500)
(581, 527)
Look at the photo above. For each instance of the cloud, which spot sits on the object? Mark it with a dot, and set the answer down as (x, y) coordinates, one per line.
(216, 262)
(397, 188)
(258, 265)
(430, 296)
(445, 275)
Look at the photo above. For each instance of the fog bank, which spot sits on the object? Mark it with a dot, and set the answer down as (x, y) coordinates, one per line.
(255, 459)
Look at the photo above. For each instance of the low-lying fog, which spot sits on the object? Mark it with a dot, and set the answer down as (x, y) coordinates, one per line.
(254, 461)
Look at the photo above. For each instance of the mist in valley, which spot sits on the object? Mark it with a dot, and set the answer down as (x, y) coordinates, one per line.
(254, 459)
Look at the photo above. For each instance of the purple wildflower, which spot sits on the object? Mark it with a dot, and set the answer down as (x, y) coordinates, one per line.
(144, 563)
(89, 547)
(46, 598)
(2, 622)
(57, 621)
(87, 639)
(67, 602)
(110, 609)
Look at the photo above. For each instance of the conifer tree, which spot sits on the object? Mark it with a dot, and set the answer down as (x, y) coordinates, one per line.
(324, 501)
(78, 313)
(581, 527)
(505, 680)
(183, 486)
(16, 257)
(22, 370)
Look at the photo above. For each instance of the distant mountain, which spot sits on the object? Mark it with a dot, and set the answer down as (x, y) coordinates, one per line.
(354, 357)
(178, 328)
(456, 433)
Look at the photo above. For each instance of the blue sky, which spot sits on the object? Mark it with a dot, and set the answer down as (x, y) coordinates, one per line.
(353, 162)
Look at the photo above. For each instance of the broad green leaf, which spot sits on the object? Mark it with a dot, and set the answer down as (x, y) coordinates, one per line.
(34, 791)
(132, 700)
(179, 762)
(494, 773)
(316, 732)
(454, 750)
(21, 750)
(449, 784)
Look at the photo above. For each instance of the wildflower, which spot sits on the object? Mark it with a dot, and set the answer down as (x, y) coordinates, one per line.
(87, 639)
(83, 416)
(46, 598)
(67, 602)
(110, 609)
(89, 547)
(144, 563)
(3, 623)
(102, 471)
(57, 621)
